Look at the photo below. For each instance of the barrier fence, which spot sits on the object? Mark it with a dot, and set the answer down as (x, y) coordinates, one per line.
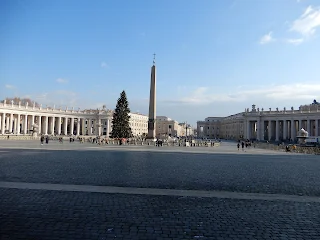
(132, 142)
(292, 148)
(194, 143)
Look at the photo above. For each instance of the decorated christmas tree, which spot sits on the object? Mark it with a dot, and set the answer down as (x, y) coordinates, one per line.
(120, 122)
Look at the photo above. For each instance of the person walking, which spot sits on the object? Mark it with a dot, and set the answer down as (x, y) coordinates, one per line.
(47, 139)
(238, 145)
(41, 140)
(242, 145)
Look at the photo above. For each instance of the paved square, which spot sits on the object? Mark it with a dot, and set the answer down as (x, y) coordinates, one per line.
(85, 191)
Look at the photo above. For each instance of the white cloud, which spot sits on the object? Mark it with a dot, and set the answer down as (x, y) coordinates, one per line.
(295, 41)
(58, 97)
(62, 80)
(104, 65)
(267, 38)
(8, 86)
(308, 22)
(297, 91)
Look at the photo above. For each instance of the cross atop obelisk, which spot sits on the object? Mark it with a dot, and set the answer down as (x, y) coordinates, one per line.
(152, 103)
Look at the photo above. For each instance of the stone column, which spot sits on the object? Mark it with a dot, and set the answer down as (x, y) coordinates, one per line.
(71, 126)
(78, 126)
(293, 129)
(55, 125)
(11, 123)
(99, 127)
(53, 120)
(25, 124)
(40, 124)
(49, 125)
(18, 124)
(65, 129)
(14, 130)
(248, 129)
(309, 128)
(46, 125)
(83, 127)
(59, 126)
(3, 119)
(21, 123)
(29, 122)
(300, 124)
(89, 126)
(285, 129)
(259, 129)
(277, 130)
(8, 123)
(269, 130)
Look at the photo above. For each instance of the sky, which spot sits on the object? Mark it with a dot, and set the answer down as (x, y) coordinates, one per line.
(213, 58)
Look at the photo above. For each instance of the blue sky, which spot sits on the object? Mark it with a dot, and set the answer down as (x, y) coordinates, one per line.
(214, 58)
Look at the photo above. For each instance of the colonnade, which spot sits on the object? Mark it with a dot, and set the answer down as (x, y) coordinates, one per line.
(25, 123)
(280, 129)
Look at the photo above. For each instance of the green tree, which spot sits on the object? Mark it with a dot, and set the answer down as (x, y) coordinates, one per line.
(120, 122)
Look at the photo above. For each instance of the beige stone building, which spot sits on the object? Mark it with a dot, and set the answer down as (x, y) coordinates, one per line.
(168, 127)
(139, 124)
(23, 119)
(271, 125)
(185, 129)
(209, 128)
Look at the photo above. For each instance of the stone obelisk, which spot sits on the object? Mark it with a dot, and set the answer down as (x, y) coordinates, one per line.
(152, 104)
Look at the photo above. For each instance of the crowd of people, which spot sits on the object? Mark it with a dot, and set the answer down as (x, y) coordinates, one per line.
(98, 140)
(245, 143)
(44, 138)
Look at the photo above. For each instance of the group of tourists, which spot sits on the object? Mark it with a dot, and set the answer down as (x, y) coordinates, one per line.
(159, 143)
(44, 138)
(245, 143)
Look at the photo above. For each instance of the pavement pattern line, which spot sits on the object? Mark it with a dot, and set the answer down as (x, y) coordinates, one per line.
(159, 192)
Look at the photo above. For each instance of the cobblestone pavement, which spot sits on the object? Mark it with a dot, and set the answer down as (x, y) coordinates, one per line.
(44, 214)
(258, 173)
(33, 214)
